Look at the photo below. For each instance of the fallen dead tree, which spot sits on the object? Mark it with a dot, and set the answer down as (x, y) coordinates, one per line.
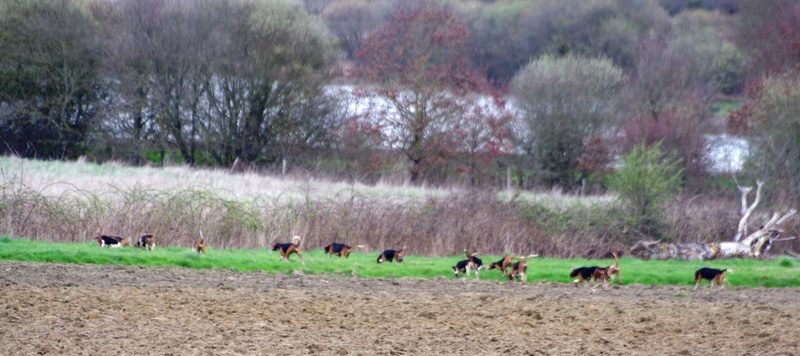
(754, 245)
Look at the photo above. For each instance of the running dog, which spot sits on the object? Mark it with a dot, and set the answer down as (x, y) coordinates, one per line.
(288, 248)
(111, 241)
(711, 274)
(147, 241)
(339, 249)
(502, 265)
(391, 255)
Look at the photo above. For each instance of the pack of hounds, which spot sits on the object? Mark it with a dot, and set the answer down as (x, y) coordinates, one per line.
(514, 268)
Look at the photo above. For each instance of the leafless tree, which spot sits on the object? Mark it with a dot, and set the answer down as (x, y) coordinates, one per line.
(351, 21)
(50, 86)
(562, 101)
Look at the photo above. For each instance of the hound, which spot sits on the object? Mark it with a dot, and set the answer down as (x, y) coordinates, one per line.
(391, 255)
(200, 246)
(288, 248)
(472, 263)
(147, 241)
(475, 260)
(111, 241)
(502, 265)
(594, 273)
(339, 249)
(520, 269)
(463, 267)
(712, 274)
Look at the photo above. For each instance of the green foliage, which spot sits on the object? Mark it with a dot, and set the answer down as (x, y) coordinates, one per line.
(749, 273)
(786, 262)
(646, 179)
(723, 108)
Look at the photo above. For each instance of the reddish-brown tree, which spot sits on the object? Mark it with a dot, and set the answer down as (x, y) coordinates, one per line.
(669, 103)
(769, 31)
(593, 164)
(418, 64)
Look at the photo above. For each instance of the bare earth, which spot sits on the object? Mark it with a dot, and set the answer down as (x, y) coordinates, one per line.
(110, 310)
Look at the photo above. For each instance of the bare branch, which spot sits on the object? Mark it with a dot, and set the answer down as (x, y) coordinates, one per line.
(742, 229)
(788, 214)
(745, 191)
(784, 239)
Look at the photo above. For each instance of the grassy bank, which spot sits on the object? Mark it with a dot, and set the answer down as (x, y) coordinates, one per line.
(783, 272)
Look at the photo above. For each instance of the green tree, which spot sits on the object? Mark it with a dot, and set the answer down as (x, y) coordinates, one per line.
(647, 178)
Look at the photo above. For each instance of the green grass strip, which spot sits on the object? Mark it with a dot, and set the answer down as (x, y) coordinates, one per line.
(782, 272)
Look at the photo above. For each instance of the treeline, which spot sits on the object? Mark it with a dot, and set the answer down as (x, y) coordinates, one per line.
(539, 93)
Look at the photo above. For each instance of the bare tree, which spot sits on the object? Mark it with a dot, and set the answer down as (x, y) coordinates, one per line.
(50, 87)
(267, 98)
(228, 78)
(158, 68)
(418, 64)
(562, 101)
(351, 21)
(669, 102)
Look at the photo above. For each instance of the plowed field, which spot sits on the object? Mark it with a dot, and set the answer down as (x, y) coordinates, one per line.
(111, 310)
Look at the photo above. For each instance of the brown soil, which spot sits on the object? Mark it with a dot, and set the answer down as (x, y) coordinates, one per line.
(108, 310)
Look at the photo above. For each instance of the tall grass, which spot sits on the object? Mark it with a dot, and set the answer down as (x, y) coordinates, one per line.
(72, 202)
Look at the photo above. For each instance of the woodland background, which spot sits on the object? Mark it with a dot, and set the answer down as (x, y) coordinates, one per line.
(473, 96)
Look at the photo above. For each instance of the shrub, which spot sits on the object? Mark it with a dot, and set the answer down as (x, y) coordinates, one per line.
(647, 179)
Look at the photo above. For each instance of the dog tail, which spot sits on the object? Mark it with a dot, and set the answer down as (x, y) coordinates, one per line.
(525, 258)
(616, 259)
(298, 240)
